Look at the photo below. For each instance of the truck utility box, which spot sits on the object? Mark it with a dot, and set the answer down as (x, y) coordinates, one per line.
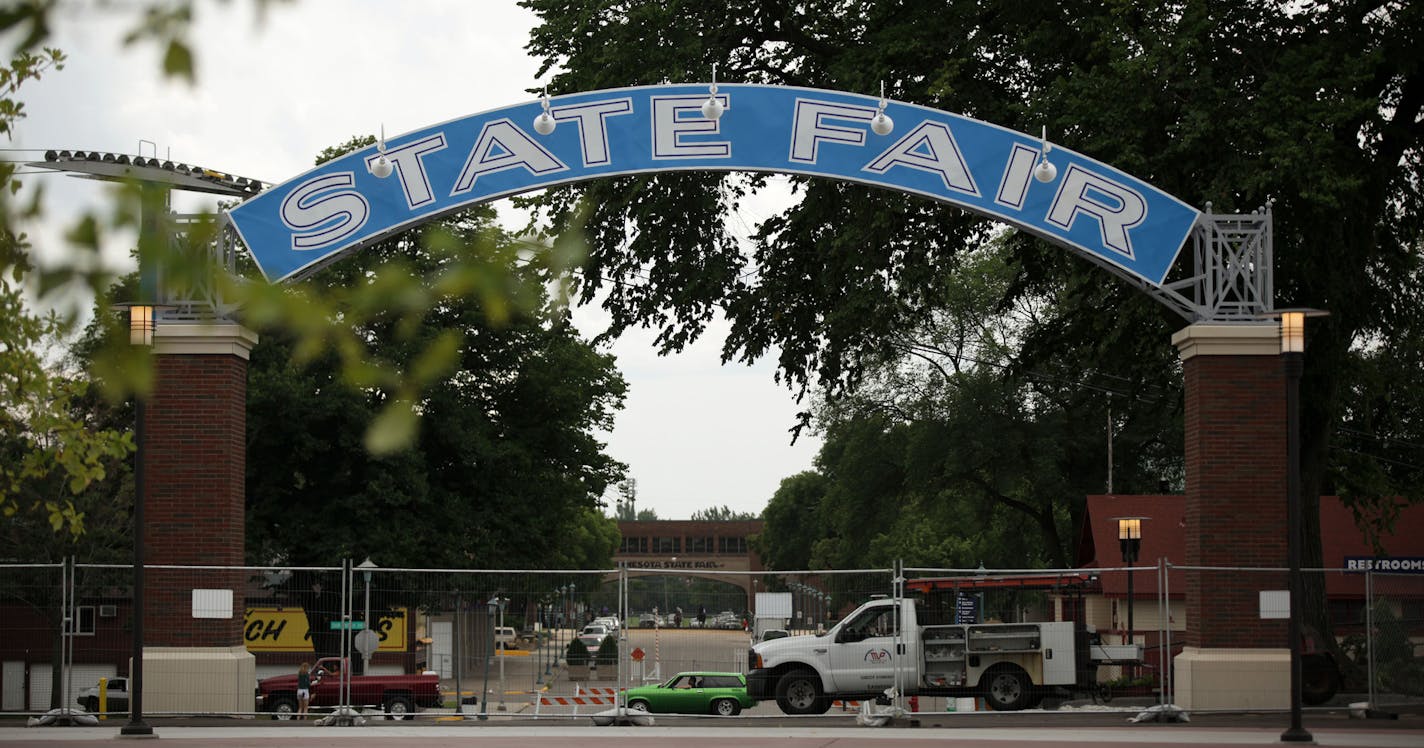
(960, 655)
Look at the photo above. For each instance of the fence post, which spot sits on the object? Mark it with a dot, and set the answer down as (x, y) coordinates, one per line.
(1370, 635)
(1164, 614)
(66, 653)
(1171, 676)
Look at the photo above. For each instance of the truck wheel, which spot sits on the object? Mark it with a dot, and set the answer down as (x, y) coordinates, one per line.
(799, 692)
(726, 708)
(283, 707)
(1007, 689)
(639, 705)
(399, 707)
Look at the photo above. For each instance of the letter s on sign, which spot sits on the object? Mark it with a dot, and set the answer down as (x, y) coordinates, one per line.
(327, 205)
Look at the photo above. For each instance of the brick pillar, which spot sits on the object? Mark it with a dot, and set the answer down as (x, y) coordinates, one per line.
(1236, 472)
(195, 459)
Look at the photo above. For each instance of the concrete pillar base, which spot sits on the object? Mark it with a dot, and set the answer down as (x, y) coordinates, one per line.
(198, 680)
(1232, 679)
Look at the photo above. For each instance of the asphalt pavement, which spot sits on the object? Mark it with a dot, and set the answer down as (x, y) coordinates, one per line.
(705, 736)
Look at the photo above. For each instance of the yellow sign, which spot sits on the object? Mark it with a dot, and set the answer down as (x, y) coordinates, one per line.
(285, 630)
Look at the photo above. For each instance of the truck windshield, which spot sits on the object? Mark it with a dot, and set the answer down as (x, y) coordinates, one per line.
(872, 622)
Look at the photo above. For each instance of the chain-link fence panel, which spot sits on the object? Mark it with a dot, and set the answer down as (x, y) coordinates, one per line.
(691, 629)
(1393, 638)
(1113, 630)
(35, 677)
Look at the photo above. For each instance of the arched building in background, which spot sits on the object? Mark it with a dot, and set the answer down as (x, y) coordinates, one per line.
(693, 548)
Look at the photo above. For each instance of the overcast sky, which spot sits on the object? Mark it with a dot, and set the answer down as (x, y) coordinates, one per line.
(271, 95)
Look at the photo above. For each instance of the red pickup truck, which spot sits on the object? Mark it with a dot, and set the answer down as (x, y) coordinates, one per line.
(398, 695)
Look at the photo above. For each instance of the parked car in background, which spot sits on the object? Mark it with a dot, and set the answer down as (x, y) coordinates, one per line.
(649, 620)
(592, 635)
(117, 699)
(611, 622)
(725, 620)
(723, 694)
(398, 695)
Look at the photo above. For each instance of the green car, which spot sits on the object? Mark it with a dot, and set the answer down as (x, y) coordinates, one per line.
(723, 694)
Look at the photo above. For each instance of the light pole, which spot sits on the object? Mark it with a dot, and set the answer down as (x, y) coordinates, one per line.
(490, 610)
(1129, 540)
(143, 319)
(543, 640)
(503, 601)
(1293, 355)
(366, 568)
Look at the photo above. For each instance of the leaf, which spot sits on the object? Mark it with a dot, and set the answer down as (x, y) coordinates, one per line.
(393, 429)
(178, 61)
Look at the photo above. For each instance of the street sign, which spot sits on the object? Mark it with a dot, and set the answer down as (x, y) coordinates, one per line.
(638, 654)
(367, 642)
(352, 625)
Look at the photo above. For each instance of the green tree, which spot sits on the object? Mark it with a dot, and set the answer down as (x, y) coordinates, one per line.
(506, 468)
(721, 514)
(1316, 107)
(49, 451)
(792, 522)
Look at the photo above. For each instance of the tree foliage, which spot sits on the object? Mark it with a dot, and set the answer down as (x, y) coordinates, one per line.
(1315, 107)
(506, 470)
(721, 514)
(49, 451)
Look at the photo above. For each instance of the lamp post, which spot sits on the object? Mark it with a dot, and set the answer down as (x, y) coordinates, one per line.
(542, 639)
(1293, 355)
(500, 650)
(366, 567)
(490, 609)
(143, 318)
(1129, 540)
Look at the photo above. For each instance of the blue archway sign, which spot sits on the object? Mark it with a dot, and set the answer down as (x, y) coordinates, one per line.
(1116, 219)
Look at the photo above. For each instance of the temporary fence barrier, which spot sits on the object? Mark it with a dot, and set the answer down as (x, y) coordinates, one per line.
(501, 642)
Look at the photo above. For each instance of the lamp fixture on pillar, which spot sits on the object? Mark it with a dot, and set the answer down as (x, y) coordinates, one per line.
(143, 320)
(1293, 355)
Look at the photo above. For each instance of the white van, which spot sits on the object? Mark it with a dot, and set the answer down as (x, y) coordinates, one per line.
(504, 637)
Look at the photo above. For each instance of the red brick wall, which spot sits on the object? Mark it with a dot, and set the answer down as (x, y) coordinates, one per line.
(1236, 497)
(194, 457)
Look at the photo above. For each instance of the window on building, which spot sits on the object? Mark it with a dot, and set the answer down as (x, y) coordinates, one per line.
(635, 545)
(667, 545)
(700, 545)
(83, 622)
(732, 545)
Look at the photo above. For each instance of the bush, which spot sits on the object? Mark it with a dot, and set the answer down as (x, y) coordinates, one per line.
(577, 653)
(608, 651)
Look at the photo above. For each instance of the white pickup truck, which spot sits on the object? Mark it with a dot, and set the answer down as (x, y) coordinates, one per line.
(876, 648)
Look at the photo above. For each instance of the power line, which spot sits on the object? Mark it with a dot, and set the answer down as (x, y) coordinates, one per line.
(1400, 463)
